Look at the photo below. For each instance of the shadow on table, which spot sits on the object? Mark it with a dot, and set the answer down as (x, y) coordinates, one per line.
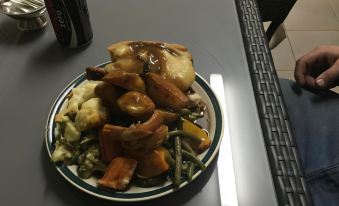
(54, 54)
(73, 196)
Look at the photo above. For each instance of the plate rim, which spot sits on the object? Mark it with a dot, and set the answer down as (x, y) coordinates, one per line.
(85, 187)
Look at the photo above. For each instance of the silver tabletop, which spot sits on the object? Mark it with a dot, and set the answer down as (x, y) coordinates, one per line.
(34, 69)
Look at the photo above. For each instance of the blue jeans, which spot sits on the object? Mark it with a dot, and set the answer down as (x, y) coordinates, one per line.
(314, 118)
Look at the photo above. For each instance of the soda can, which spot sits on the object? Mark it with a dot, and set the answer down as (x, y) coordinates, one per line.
(70, 20)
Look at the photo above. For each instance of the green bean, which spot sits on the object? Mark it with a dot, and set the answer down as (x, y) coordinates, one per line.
(198, 115)
(178, 161)
(192, 118)
(184, 112)
(184, 134)
(186, 146)
(184, 167)
(190, 170)
(171, 151)
(196, 160)
(170, 160)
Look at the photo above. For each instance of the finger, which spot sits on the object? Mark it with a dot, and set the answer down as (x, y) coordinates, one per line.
(327, 79)
(300, 72)
(305, 64)
(310, 81)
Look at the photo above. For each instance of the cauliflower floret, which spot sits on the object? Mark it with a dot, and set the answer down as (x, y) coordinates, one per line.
(67, 128)
(79, 95)
(92, 114)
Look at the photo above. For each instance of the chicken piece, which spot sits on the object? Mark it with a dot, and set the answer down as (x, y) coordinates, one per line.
(92, 114)
(118, 174)
(179, 70)
(172, 61)
(79, 95)
(124, 58)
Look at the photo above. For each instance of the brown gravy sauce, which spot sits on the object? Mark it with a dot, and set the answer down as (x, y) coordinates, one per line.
(151, 54)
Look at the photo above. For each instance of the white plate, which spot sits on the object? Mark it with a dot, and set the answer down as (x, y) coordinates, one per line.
(134, 194)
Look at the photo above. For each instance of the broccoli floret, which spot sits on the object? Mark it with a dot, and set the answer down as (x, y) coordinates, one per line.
(89, 162)
(88, 140)
(65, 152)
(62, 152)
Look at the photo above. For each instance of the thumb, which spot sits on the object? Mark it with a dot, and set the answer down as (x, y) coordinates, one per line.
(327, 79)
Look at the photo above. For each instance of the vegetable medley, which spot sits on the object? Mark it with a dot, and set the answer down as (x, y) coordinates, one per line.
(134, 121)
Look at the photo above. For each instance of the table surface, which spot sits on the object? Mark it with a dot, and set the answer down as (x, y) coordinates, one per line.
(34, 69)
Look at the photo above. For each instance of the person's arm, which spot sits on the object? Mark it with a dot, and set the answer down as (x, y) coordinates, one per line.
(318, 68)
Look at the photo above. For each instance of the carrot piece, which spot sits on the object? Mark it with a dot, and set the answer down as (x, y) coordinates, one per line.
(112, 131)
(118, 174)
(109, 148)
(153, 163)
(156, 139)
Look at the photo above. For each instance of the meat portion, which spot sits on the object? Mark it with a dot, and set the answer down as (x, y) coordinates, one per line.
(172, 61)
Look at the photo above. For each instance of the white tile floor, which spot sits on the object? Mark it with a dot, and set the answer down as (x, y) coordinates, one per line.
(310, 23)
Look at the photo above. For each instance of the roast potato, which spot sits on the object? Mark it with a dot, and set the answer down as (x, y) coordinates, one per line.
(93, 73)
(137, 105)
(140, 131)
(109, 95)
(126, 80)
(168, 116)
(164, 93)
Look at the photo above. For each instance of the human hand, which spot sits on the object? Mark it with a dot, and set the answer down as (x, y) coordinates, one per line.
(318, 68)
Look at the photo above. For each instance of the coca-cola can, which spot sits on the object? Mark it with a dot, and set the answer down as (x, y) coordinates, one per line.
(70, 20)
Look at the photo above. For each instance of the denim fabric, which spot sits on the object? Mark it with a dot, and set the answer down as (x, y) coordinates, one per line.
(314, 118)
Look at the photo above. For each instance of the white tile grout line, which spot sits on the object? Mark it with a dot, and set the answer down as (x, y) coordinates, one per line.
(289, 42)
(335, 13)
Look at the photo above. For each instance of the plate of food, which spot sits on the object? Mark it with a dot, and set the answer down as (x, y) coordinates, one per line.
(138, 127)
